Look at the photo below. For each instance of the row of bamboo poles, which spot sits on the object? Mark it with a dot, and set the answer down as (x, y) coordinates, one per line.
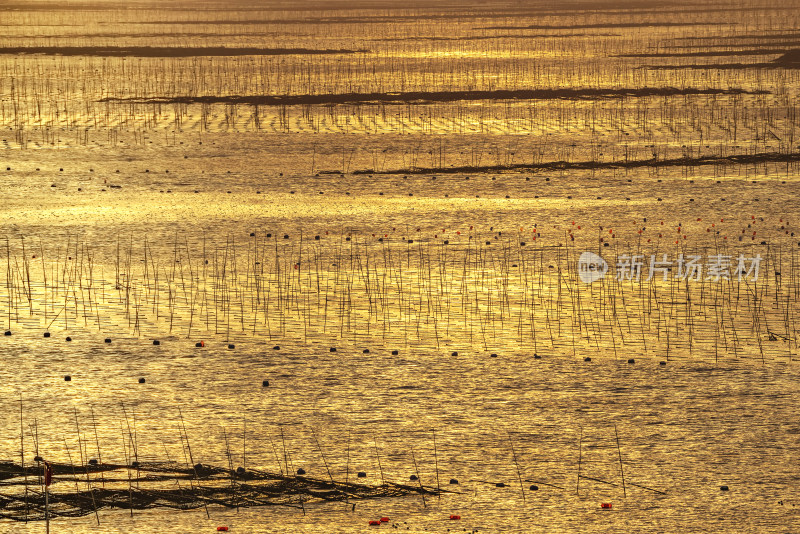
(492, 290)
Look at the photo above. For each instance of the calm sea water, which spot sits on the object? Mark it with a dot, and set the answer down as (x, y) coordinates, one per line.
(194, 182)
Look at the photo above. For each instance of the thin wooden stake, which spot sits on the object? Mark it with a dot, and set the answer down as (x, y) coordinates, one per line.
(377, 454)
(436, 462)
(519, 475)
(324, 461)
(419, 480)
(621, 472)
(580, 457)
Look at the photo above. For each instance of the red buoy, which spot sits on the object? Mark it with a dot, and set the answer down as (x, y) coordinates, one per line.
(222, 529)
(605, 505)
(384, 519)
(455, 517)
(374, 523)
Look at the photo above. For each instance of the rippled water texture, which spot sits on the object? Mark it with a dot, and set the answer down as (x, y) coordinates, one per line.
(354, 231)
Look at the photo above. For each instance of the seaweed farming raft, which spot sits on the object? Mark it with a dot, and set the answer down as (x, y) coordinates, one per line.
(79, 491)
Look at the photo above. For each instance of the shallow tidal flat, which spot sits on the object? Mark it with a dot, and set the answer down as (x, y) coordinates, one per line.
(345, 239)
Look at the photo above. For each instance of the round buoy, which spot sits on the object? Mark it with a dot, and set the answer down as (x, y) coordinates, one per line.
(723, 488)
(662, 363)
(301, 471)
(198, 344)
(93, 461)
(108, 340)
(365, 351)
(67, 378)
(395, 352)
(240, 470)
(631, 360)
(265, 383)
(276, 347)
(333, 349)
(361, 474)
(7, 333)
(231, 346)
(537, 357)
(454, 354)
(534, 487)
(587, 359)
(142, 380)
(493, 355)
(38, 459)
(68, 338)
(47, 334)
(453, 481)
(156, 342)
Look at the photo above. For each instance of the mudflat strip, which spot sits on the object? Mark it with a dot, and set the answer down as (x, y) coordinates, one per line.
(764, 157)
(165, 51)
(431, 96)
(789, 60)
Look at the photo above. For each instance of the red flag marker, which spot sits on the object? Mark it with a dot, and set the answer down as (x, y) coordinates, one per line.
(48, 474)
